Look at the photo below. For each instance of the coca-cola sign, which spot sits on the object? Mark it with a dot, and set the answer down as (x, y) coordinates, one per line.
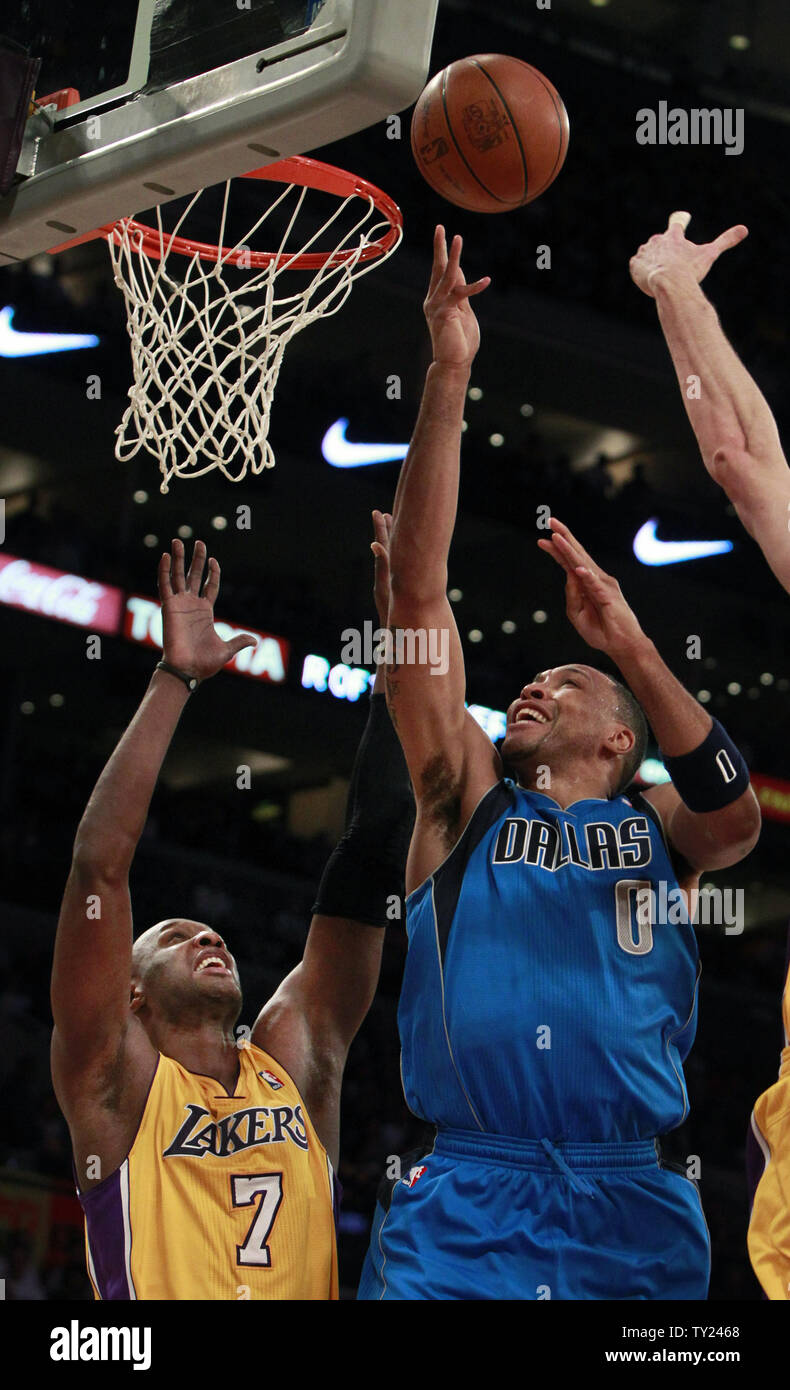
(266, 661)
(67, 597)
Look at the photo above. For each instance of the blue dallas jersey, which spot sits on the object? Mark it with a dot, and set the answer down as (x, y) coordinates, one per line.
(537, 1001)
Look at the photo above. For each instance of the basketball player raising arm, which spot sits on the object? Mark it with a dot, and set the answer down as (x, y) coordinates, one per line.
(741, 450)
(735, 428)
(201, 1162)
(600, 614)
(521, 925)
(451, 760)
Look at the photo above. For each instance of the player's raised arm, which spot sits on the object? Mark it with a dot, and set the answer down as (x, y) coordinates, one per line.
(93, 945)
(450, 760)
(735, 428)
(314, 1016)
(710, 813)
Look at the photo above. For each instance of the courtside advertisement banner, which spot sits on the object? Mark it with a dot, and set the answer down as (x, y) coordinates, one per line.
(266, 661)
(54, 594)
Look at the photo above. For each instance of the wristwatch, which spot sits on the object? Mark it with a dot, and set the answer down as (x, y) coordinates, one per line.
(191, 682)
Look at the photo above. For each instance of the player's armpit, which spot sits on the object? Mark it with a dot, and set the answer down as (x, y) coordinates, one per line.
(101, 1090)
(450, 758)
(708, 840)
(102, 1060)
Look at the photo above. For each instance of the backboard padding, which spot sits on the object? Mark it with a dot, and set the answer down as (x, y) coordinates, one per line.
(360, 61)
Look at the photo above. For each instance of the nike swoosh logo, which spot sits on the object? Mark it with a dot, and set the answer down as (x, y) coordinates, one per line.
(652, 551)
(342, 453)
(14, 344)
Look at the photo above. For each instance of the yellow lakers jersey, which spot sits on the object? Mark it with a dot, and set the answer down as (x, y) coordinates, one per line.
(221, 1196)
(769, 1226)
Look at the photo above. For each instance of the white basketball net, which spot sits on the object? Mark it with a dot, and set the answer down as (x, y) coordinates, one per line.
(206, 356)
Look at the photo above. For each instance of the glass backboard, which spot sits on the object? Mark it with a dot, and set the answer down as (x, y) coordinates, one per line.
(176, 95)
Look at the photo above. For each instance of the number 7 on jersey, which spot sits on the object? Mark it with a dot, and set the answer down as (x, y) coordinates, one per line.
(244, 1190)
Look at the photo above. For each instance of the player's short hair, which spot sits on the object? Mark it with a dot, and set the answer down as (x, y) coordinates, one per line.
(140, 952)
(630, 711)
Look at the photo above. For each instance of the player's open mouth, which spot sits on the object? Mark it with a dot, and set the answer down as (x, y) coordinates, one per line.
(211, 963)
(533, 716)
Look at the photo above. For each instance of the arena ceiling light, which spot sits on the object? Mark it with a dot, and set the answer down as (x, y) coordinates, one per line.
(17, 344)
(653, 770)
(649, 550)
(340, 452)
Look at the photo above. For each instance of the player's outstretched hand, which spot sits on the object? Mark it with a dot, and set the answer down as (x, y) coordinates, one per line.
(593, 599)
(669, 253)
(455, 332)
(190, 642)
(382, 530)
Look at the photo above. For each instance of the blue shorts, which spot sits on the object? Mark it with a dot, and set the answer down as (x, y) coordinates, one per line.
(490, 1217)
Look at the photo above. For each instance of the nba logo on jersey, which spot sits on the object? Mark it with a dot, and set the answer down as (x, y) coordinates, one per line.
(274, 1081)
(413, 1174)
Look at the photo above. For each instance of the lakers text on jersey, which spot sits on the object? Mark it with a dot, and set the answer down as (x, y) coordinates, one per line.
(220, 1197)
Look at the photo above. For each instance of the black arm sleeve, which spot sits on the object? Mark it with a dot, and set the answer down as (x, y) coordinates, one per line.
(369, 864)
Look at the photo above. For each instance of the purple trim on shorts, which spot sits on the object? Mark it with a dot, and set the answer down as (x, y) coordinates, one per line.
(107, 1237)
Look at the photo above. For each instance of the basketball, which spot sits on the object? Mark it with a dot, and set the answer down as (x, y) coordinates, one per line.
(490, 133)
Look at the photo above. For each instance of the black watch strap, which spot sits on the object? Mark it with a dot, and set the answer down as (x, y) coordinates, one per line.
(191, 682)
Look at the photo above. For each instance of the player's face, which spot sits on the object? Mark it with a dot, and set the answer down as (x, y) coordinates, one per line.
(179, 958)
(563, 707)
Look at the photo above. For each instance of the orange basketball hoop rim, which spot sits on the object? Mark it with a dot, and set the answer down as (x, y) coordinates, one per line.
(299, 171)
(206, 351)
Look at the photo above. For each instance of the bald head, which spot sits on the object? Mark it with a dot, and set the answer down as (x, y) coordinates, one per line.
(144, 946)
(182, 977)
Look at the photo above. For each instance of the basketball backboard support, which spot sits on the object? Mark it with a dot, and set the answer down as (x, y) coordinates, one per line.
(146, 139)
